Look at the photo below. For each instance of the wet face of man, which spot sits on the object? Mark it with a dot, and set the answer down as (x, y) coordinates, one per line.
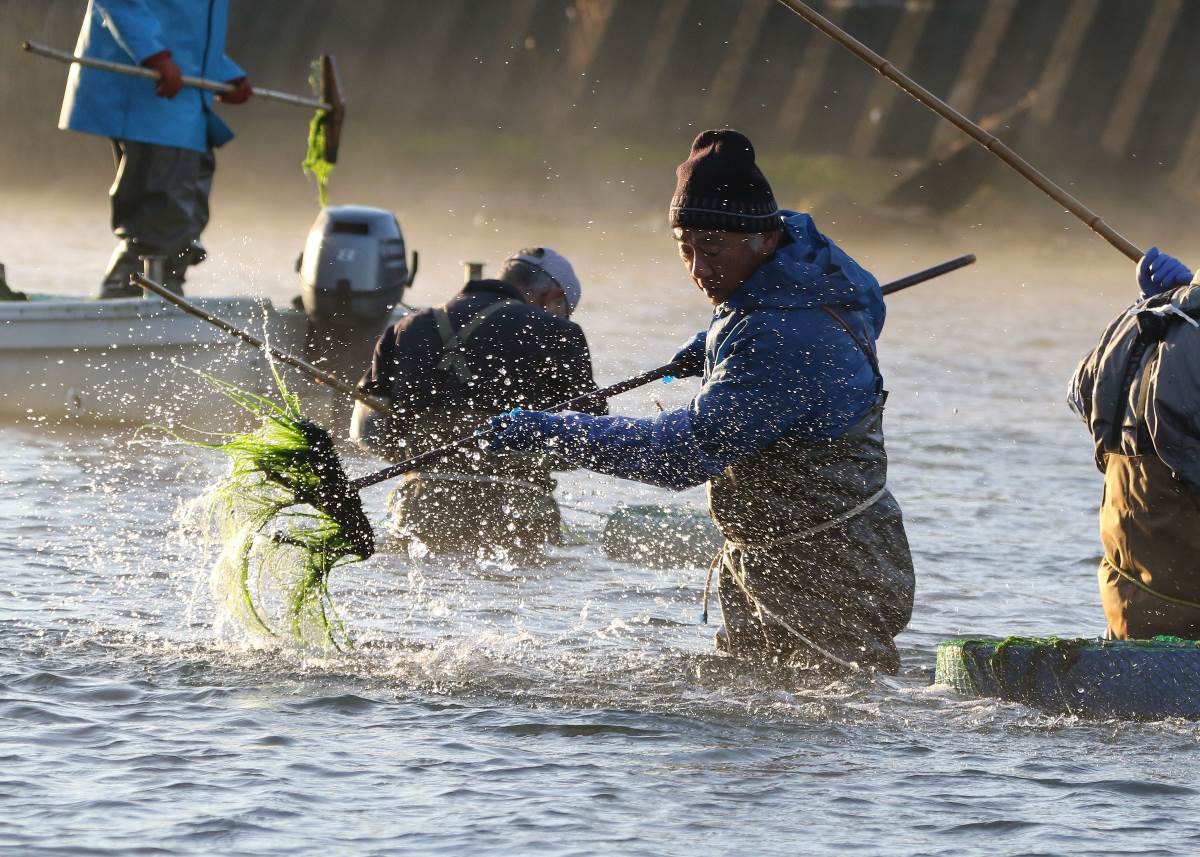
(720, 262)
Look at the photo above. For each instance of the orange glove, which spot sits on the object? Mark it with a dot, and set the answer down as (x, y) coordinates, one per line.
(240, 94)
(170, 78)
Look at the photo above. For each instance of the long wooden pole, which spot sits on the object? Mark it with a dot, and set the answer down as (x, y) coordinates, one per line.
(318, 375)
(151, 74)
(989, 141)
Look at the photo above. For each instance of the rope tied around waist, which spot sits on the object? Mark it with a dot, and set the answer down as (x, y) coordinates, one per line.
(1153, 593)
(816, 528)
(732, 556)
(736, 567)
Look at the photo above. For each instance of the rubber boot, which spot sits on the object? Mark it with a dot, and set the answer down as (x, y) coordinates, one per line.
(126, 259)
(176, 267)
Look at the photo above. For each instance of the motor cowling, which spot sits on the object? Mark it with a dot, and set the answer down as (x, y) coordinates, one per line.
(353, 270)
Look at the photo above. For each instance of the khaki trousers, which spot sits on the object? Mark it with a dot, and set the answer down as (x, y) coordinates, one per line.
(1150, 530)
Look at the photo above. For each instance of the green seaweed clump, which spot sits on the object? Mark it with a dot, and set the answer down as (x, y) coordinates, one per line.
(271, 515)
(317, 162)
(316, 159)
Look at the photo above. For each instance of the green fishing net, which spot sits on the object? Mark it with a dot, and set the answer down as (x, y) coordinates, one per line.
(316, 160)
(281, 519)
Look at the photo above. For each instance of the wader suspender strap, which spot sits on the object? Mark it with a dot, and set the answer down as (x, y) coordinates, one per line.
(1117, 423)
(866, 346)
(1143, 443)
(452, 343)
(1147, 336)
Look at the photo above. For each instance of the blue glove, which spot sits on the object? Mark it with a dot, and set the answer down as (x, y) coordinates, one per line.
(527, 431)
(1157, 272)
(690, 358)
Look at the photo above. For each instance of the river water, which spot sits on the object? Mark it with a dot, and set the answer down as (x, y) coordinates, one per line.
(577, 707)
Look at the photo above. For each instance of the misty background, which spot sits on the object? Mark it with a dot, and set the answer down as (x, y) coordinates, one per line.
(487, 126)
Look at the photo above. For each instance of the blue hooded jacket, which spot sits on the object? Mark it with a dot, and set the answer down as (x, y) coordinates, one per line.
(776, 365)
(126, 108)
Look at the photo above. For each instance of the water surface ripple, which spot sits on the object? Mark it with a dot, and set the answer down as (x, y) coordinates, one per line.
(576, 708)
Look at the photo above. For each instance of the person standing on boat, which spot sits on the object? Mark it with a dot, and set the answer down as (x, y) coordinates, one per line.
(1138, 391)
(786, 428)
(163, 134)
(496, 345)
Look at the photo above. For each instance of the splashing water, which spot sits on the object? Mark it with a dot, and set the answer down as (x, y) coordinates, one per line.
(278, 541)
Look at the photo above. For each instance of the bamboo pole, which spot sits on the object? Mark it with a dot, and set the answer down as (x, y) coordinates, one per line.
(989, 141)
(151, 74)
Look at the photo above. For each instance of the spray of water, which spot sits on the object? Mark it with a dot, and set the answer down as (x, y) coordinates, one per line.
(275, 544)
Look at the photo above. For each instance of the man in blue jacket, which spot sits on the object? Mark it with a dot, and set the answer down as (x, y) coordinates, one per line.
(786, 429)
(163, 135)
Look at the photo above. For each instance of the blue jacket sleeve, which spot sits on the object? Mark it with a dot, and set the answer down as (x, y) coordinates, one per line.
(876, 308)
(134, 27)
(792, 373)
(788, 373)
(690, 358)
(660, 450)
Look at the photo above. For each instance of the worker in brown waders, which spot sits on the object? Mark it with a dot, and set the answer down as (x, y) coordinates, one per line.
(498, 344)
(1139, 393)
(786, 428)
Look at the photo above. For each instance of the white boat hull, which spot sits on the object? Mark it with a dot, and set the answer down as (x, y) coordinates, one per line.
(135, 361)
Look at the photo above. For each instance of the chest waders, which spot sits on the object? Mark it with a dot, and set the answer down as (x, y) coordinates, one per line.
(1149, 577)
(815, 553)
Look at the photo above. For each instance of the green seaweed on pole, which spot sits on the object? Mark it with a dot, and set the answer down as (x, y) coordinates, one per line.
(284, 521)
(325, 129)
(316, 159)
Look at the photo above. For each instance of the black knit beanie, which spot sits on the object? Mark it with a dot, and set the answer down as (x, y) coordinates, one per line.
(720, 187)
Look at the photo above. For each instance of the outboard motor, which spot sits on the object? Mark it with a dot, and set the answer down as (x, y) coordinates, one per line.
(353, 274)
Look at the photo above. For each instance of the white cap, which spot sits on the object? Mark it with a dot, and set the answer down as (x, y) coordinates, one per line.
(556, 267)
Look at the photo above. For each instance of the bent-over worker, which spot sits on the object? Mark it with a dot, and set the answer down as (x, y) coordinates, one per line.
(163, 134)
(496, 345)
(786, 428)
(1139, 393)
